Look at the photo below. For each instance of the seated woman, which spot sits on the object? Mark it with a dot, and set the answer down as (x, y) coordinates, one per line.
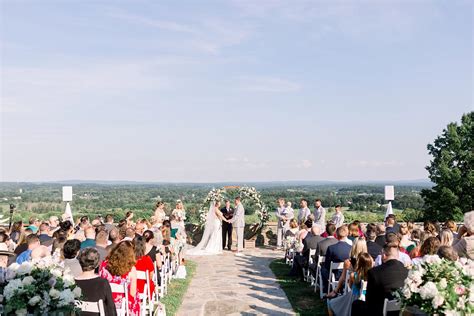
(293, 229)
(151, 250)
(144, 263)
(464, 243)
(118, 268)
(429, 248)
(342, 305)
(93, 287)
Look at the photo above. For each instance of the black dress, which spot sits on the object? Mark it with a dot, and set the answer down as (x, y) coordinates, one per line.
(152, 253)
(97, 289)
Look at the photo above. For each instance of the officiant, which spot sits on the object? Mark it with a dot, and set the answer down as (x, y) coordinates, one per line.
(228, 213)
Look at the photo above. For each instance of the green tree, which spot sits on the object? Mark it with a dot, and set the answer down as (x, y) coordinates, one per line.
(451, 170)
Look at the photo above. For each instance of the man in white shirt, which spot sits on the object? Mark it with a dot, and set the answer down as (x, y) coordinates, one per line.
(319, 215)
(338, 217)
(392, 238)
(304, 212)
(284, 216)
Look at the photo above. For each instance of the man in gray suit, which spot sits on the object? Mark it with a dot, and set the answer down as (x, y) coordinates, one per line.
(239, 224)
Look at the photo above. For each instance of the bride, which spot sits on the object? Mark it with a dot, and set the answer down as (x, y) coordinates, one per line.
(211, 242)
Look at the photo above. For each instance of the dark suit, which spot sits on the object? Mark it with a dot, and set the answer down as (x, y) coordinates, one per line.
(336, 253)
(381, 282)
(321, 250)
(45, 240)
(380, 240)
(301, 260)
(373, 249)
(227, 227)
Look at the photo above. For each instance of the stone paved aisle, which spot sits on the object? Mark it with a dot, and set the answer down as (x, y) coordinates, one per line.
(230, 285)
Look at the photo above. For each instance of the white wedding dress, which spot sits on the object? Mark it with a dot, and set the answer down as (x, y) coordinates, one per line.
(211, 242)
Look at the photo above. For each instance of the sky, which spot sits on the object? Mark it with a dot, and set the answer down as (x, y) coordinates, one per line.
(204, 91)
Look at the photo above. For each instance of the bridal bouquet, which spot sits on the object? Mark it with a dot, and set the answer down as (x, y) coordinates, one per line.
(438, 286)
(43, 287)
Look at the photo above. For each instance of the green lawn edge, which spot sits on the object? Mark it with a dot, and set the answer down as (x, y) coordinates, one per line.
(177, 289)
(300, 294)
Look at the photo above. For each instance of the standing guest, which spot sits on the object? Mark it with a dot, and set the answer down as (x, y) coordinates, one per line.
(53, 224)
(33, 242)
(129, 219)
(160, 214)
(319, 215)
(338, 252)
(338, 217)
(44, 237)
(144, 263)
(179, 215)
(101, 244)
(93, 287)
(380, 240)
(16, 231)
(109, 222)
(373, 248)
(228, 212)
(140, 228)
(119, 268)
(70, 251)
(22, 242)
(304, 212)
(89, 233)
(451, 225)
(464, 243)
(446, 237)
(283, 221)
(385, 279)
(293, 231)
(34, 224)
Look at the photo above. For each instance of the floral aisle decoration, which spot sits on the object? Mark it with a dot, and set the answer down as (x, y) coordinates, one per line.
(438, 286)
(41, 287)
(244, 193)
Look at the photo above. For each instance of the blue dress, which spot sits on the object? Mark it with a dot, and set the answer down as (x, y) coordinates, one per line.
(342, 305)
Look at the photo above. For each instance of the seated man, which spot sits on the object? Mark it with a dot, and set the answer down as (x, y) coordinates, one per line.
(33, 242)
(323, 245)
(309, 242)
(373, 248)
(402, 257)
(384, 279)
(336, 253)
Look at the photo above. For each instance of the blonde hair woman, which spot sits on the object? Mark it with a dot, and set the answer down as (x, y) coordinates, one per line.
(446, 237)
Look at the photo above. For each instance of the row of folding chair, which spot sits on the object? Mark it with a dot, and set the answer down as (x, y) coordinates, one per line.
(289, 255)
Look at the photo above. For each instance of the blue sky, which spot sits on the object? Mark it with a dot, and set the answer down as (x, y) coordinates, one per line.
(230, 90)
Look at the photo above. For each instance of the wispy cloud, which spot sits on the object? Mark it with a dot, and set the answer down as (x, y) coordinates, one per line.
(375, 163)
(268, 84)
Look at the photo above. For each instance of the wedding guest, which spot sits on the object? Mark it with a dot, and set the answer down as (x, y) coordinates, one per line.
(327, 242)
(4, 246)
(304, 212)
(428, 248)
(150, 249)
(144, 263)
(396, 226)
(385, 279)
(448, 253)
(101, 244)
(53, 224)
(430, 229)
(32, 242)
(446, 237)
(109, 222)
(40, 253)
(34, 224)
(140, 227)
(390, 225)
(353, 232)
(22, 242)
(44, 237)
(305, 228)
(119, 268)
(338, 252)
(309, 242)
(66, 228)
(373, 248)
(319, 214)
(380, 240)
(129, 219)
(89, 234)
(114, 238)
(405, 238)
(451, 225)
(70, 251)
(404, 258)
(58, 246)
(93, 287)
(416, 237)
(293, 230)
(16, 231)
(342, 305)
(228, 212)
(338, 217)
(464, 243)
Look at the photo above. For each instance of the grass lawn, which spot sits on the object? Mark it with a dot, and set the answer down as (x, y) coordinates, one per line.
(177, 288)
(301, 296)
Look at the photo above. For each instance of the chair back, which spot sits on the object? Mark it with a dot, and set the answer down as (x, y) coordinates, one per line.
(121, 289)
(91, 307)
(391, 306)
(363, 289)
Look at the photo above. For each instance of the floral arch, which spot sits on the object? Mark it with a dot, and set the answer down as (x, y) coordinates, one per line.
(245, 193)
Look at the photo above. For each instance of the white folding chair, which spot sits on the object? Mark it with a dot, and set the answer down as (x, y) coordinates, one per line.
(91, 307)
(319, 279)
(391, 306)
(156, 275)
(363, 289)
(332, 282)
(347, 289)
(307, 272)
(146, 298)
(121, 289)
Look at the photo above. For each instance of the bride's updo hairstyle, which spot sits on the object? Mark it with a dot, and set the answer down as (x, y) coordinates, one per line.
(217, 203)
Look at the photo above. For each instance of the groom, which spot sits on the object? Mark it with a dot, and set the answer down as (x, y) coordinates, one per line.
(239, 223)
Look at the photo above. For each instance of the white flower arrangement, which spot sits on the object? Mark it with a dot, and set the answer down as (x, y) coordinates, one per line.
(438, 286)
(244, 193)
(42, 285)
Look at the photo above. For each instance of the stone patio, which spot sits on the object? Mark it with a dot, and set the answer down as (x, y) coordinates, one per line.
(231, 285)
